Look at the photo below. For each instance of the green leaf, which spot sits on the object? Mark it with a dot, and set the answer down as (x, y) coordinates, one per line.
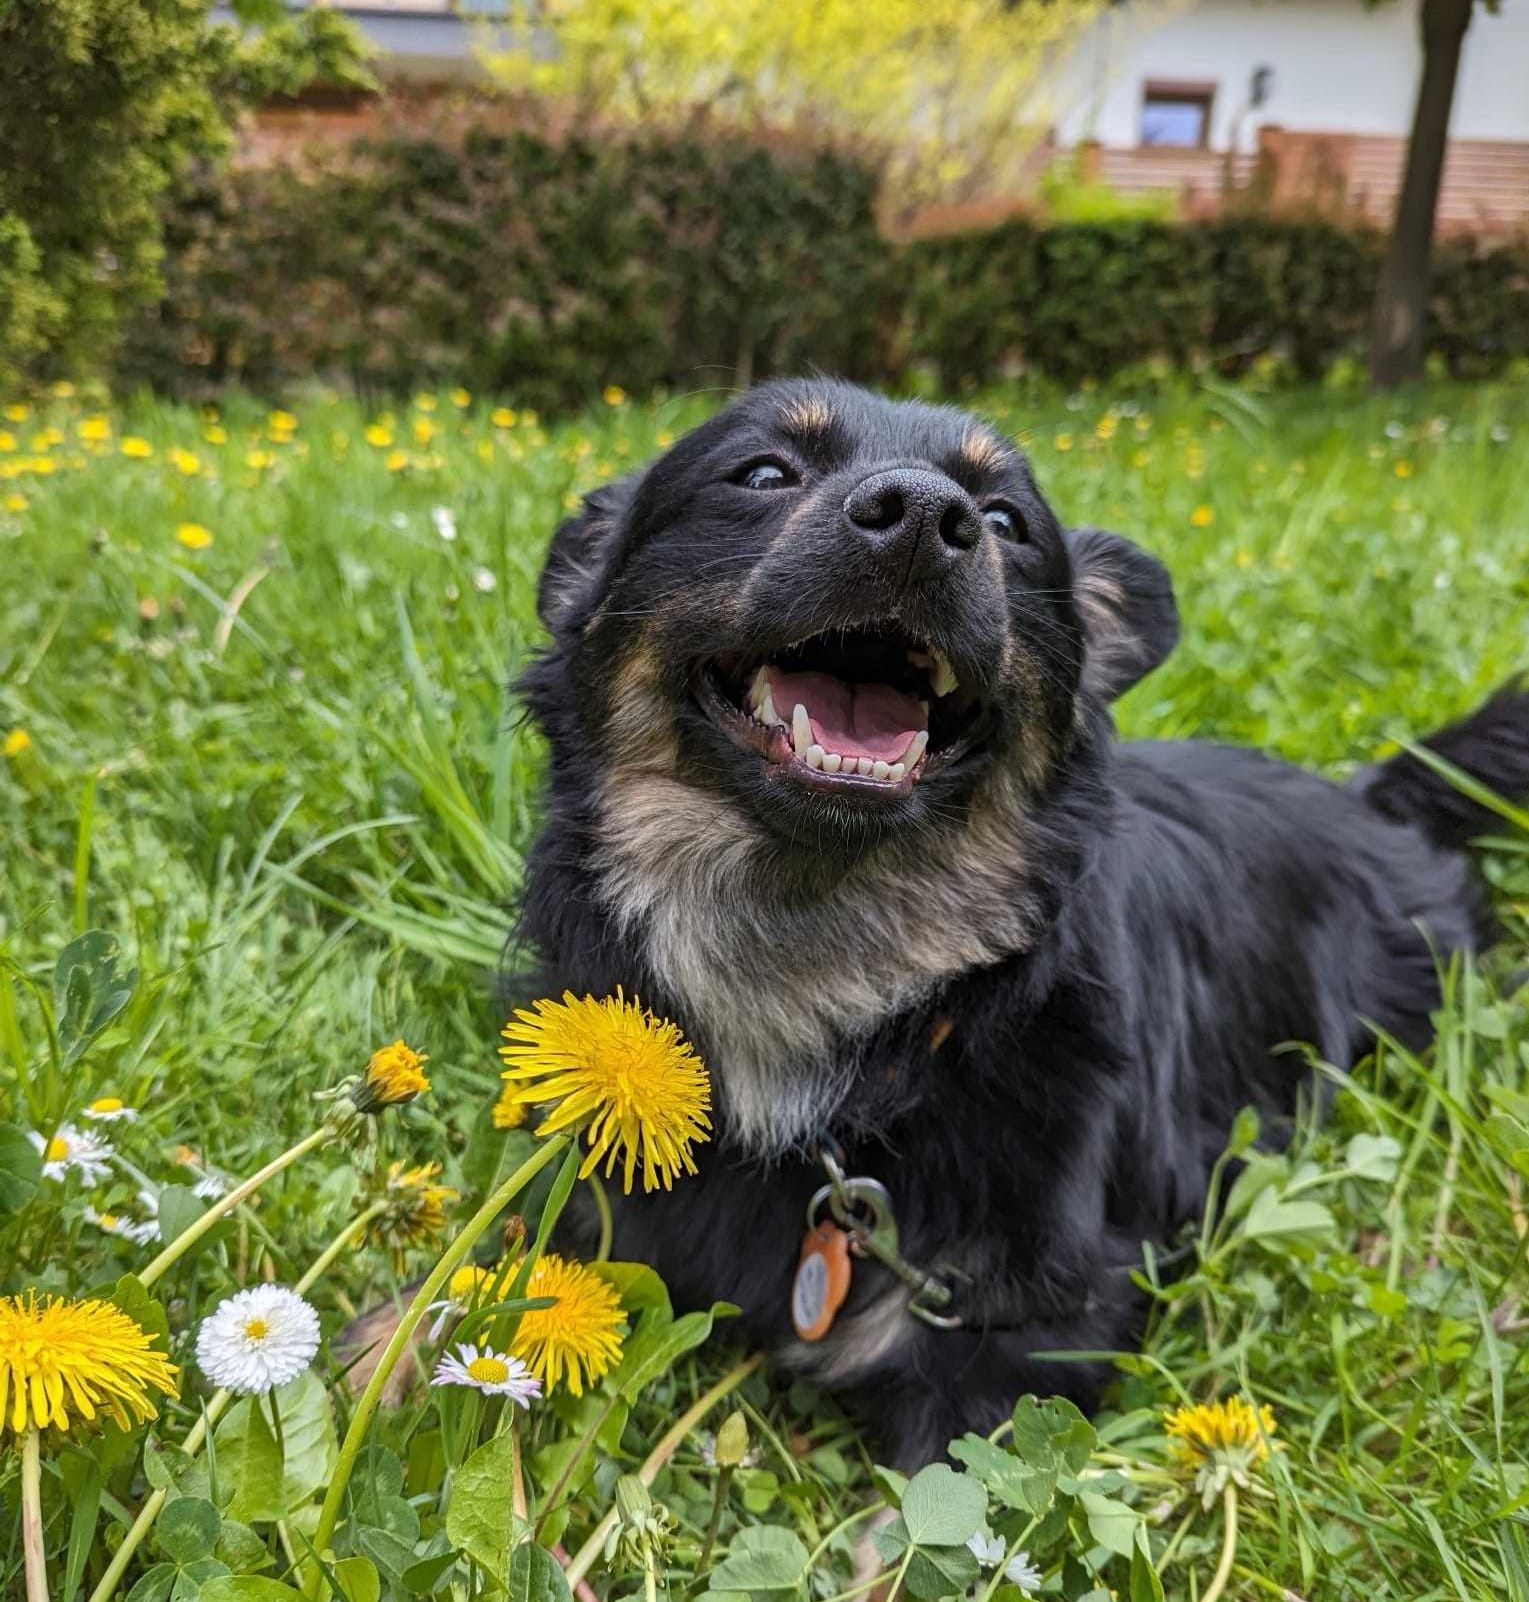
(88, 992)
(941, 1571)
(1112, 1524)
(357, 1579)
(133, 1297)
(537, 1576)
(246, 1588)
(155, 1585)
(1269, 1216)
(478, 1516)
(82, 1476)
(638, 1286)
(1373, 1157)
(187, 1529)
(762, 1558)
(179, 1209)
(942, 1507)
(20, 1169)
(250, 1462)
(1146, 1584)
(659, 1343)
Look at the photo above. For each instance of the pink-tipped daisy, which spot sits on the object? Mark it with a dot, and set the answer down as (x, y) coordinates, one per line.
(492, 1373)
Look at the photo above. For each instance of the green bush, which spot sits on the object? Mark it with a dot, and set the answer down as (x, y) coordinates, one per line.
(508, 262)
(103, 104)
(547, 270)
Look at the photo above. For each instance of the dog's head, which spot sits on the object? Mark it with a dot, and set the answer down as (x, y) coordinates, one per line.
(820, 682)
(845, 613)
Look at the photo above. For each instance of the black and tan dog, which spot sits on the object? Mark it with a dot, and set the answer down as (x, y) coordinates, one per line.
(834, 786)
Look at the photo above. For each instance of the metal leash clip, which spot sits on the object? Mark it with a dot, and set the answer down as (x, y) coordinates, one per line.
(862, 1208)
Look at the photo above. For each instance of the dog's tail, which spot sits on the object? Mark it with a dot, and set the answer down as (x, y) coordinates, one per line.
(1491, 746)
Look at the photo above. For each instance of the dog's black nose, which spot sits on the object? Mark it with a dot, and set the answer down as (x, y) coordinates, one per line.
(923, 520)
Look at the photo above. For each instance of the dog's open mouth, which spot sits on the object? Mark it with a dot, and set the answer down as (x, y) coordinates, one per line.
(868, 709)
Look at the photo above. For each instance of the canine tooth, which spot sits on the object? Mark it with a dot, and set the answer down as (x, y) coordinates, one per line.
(881, 770)
(767, 713)
(759, 687)
(944, 679)
(801, 730)
(915, 749)
(815, 755)
(832, 761)
(896, 772)
(865, 765)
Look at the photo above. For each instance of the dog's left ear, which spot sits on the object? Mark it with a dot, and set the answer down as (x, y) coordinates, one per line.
(1130, 618)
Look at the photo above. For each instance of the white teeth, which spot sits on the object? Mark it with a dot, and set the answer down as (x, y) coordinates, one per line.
(943, 679)
(880, 769)
(832, 762)
(767, 713)
(759, 687)
(915, 749)
(896, 771)
(801, 730)
(865, 765)
(815, 755)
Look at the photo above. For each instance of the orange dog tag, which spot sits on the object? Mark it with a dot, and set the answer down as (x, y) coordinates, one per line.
(822, 1281)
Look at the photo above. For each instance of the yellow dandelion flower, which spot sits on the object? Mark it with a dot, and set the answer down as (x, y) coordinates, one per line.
(577, 1340)
(135, 445)
(630, 1080)
(258, 459)
(215, 434)
(378, 434)
(508, 1113)
(1403, 469)
(43, 465)
(425, 401)
(1202, 516)
(502, 417)
(7, 441)
(16, 502)
(17, 741)
(392, 1077)
(1063, 442)
(193, 536)
(60, 1358)
(417, 1203)
(63, 390)
(184, 461)
(396, 461)
(664, 438)
(95, 429)
(282, 422)
(461, 398)
(423, 430)
(17, 412)
(1222, 1442)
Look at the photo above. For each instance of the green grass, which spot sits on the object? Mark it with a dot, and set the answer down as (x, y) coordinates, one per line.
(304, 815)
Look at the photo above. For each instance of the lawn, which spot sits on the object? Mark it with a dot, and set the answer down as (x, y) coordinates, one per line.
(252, 671)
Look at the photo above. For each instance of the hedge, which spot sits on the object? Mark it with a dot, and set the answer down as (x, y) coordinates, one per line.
(545, 270)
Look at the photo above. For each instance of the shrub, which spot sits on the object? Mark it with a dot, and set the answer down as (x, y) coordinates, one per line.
(508, 262)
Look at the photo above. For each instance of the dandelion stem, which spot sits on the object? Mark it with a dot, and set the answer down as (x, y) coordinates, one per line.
(607, 1223)
(451, 1259)
(1228, 1547)
(584, 1558)
(31, 1517)
(189, 1236)
(217, 1405)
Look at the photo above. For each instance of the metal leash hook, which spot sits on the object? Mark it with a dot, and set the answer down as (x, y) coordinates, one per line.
(862, 1207)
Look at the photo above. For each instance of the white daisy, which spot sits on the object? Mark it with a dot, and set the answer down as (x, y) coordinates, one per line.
(210, 1186)
(987, 1548)
(139, 1231)
(1023, 1573)
(73, 1151)
(483, 580)
(257, 1339)
(110, 1110)
(445, 523)
(493, 1373)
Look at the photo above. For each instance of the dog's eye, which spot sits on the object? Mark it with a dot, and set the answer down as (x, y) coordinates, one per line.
(1005, 522)
(767, 475)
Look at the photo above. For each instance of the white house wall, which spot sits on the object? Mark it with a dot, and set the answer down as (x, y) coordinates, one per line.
(1338, 67)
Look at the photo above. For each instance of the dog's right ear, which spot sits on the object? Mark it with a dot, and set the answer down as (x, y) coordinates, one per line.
(579, 555)
(1130, 618)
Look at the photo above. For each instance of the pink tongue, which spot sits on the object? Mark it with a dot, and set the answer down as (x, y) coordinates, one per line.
(856, 720)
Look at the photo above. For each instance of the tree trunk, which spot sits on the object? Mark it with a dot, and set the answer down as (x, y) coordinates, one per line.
(1399, 319)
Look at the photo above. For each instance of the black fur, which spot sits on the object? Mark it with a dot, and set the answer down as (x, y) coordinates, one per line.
(1179, 909)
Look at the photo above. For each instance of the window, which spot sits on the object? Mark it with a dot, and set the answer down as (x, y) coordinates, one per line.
(1177, 114)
